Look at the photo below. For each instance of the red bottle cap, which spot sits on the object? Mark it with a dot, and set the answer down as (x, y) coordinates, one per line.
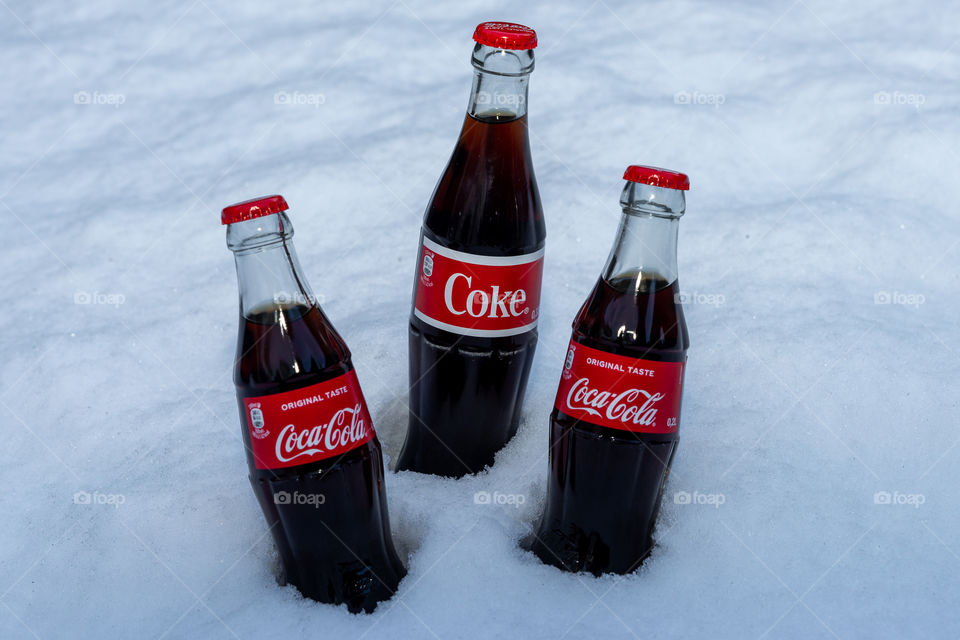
(251, 209)
(657, 177)
(505, 35)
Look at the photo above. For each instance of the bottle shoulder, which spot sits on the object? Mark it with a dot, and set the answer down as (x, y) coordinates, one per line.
(647, 325)
(487, 200)
(288, 351)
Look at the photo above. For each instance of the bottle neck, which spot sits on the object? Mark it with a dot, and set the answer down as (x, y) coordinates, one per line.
(645, 250)
(500, 82)
(268, 272)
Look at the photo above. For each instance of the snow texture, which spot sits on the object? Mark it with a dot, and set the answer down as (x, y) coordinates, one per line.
(818, 460)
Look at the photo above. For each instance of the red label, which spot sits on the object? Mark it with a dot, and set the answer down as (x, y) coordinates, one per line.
(620, 392)
(476, 295)
(309, 424)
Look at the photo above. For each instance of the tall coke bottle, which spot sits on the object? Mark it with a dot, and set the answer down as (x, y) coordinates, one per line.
(314, 458)
(473, 325)
(614, 426)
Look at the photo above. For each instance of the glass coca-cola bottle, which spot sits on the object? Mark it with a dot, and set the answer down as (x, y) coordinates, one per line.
(614, 426)
(473, 325)
(314, 458)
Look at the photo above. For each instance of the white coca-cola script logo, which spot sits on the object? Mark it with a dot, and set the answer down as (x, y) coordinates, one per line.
(632, 405)
(477, 303)
(332, 435)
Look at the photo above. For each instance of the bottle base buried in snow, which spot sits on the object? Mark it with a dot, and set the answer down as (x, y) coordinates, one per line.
(621, 521)
(310, 511)
(466, 399)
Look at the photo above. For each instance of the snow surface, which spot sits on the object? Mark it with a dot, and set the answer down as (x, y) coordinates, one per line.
(820, 138)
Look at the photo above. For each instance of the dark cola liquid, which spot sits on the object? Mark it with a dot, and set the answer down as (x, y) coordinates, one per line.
(466, 392)
(339, 551)
(605, 485)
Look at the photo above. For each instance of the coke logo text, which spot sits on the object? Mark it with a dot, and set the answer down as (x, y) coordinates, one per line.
(332, 435)
(622, 406)
(477, 302)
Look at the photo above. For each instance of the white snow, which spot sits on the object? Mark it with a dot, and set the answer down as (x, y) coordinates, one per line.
(820, 139)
